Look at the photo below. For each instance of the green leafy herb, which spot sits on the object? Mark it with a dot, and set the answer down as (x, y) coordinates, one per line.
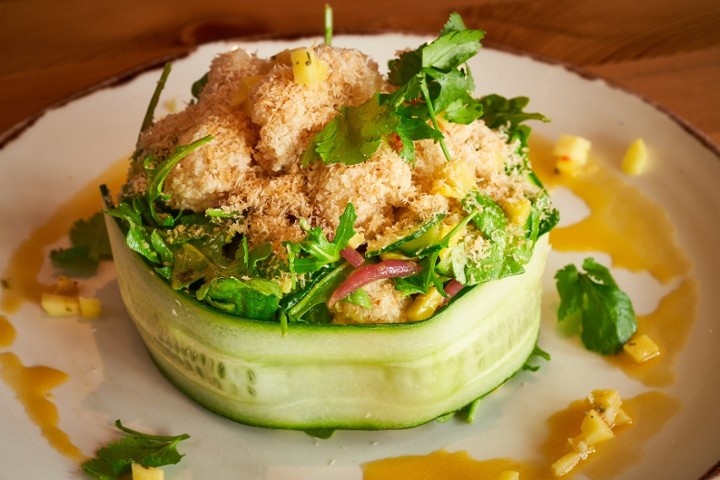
(328, 24)
(605, 312)
(90, 245)
(500, 112)
(149, 118)
(316, 251)
(116, 458)
(536, 353)
(430, 82)
(198, 86)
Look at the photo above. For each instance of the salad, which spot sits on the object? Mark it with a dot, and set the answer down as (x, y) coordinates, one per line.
(311, 244)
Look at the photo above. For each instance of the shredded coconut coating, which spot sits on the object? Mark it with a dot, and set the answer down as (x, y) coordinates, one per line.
(287, 113)
(262, 121)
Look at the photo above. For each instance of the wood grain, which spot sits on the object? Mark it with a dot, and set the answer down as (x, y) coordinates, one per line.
(665, 50)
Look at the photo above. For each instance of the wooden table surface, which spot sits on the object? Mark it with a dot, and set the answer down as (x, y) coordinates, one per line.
(665, 50)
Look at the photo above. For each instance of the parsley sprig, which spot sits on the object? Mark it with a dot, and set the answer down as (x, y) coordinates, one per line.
(606, 314)
(116, 458)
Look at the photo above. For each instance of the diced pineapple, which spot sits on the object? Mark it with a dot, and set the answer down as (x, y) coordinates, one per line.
(307, 68)
(595, 429)
(566, 463)
(581, 445)
(517, 210)
(356, 240)
(635, 158)
(641, 348)
(60, 305)
(424, 305)
(622, 418)
(571, 153)
(455, 179)
(89, 307)
(242, 93)
(147, 473)
(607, 403)
(508, 475)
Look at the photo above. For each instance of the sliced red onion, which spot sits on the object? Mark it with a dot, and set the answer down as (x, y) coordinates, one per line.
(452, 288)
(369, 273)
(352, 256)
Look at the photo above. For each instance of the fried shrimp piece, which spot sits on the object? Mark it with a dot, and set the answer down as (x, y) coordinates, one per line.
(374, 187)
(288, 114)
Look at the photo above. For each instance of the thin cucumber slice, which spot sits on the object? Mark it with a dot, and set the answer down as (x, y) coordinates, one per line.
(334, 376)
(414, 239)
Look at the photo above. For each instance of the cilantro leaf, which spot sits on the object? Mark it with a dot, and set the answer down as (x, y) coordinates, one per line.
(354, 135)
(430, 82)
(606, 313)
(90, 245)
(500, 112)
(116, 458)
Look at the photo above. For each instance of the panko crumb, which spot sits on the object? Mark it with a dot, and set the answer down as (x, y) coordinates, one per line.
(387, 305)
(261, 122)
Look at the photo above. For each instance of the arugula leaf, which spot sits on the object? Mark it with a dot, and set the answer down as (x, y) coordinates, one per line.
(90, 245)
(317, 249)
(148, 119)
(606, 313)
(116, 458)
(256, 298)
(158, 174)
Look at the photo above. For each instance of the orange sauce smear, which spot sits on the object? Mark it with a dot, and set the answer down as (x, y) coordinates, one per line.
(33, 384)
(7, 332)
(650, 411)
(624, 223)
(639, 239)
(33, 387)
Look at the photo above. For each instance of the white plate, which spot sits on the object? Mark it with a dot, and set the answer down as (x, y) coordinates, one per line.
(111, 376)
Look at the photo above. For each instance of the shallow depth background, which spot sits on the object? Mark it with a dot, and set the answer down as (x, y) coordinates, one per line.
(665, 50)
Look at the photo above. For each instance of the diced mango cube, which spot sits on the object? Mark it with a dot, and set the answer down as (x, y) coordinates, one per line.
(595, 429)
(455, 179)
(580, 445)
(571, 154)
(241, 96)
(607, 403)
(508, 475)
(60, 305)
(635, 158)
(517, 210)
(622, 418)
(147, 473)
(89, 307)
(641, 348)
(566, 463)
(424, 305)
(307, 68)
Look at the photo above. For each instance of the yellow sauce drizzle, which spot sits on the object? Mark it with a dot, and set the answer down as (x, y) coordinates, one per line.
(33, 384)
(640, 238)
(624, 223)
(26, 261)
(7, 332)
(669, 326)
(33, 387)
(650, 412)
